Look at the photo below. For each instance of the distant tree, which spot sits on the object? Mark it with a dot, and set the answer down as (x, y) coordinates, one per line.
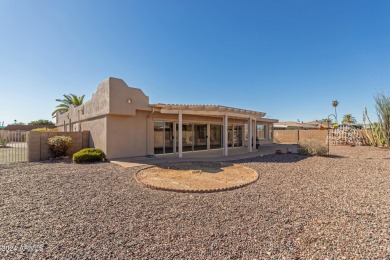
(349, 119)
(68, 100)
(18, 123)
(335, 103)
(41, 122)
(326, 120)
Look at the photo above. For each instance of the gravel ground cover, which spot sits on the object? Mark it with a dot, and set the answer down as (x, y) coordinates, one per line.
(300, 207)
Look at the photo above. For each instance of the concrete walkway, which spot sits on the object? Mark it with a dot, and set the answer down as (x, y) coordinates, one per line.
(200, 156)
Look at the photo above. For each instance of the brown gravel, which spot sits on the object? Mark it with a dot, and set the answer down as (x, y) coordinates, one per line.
(299, 207)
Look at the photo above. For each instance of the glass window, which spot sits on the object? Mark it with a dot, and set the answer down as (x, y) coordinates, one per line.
(260, 131)
(158, 137)
(163, 137)
(215, 136)
(200, 133)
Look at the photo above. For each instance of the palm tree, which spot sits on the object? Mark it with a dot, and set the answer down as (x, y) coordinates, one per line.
(326, 120)
(68, 100)
(349, 119)
(335, 103)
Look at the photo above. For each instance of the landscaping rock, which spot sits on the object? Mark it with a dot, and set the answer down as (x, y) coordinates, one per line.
(300, 207)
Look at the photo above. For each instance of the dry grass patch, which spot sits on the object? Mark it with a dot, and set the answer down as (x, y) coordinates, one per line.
(200, 176)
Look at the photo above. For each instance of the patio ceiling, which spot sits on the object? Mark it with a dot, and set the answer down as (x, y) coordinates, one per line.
(210, 110)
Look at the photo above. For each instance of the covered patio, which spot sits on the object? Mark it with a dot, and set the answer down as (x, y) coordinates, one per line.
(214, 130)
(212, 155)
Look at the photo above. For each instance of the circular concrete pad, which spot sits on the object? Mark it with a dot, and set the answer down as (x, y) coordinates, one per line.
(196, 176)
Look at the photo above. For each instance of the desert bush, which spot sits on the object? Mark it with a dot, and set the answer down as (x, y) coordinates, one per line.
(59, 145)
(3, 141)
(88, 155)
(45, 129)
(312, 147)
(380, 131)
(3, 138)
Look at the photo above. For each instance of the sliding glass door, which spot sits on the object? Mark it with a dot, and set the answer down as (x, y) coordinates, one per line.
(187, 138)
(200, 137)
(194, 137)
(216, 137)
(235, 135)
(163, 137)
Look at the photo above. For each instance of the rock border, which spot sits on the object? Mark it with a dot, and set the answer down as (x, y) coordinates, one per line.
(233, 187)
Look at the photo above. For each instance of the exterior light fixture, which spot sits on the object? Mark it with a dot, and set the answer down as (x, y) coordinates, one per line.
(129, 101)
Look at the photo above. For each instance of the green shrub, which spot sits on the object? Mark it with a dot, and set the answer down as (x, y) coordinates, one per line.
(312, 147)
(3, 138)
(88, 155)
(59, 145)
(45, 129)
(3, 141)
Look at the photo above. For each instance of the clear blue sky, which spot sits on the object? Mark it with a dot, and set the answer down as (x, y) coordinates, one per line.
(287, 58)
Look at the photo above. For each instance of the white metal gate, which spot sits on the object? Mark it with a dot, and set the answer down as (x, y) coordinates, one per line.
(13, 146)
(346, 135)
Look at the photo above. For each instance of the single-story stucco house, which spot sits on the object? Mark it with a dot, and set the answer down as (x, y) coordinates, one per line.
(123, 124)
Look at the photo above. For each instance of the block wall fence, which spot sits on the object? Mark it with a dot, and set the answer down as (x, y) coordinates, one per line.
(38, 149)
(295, 136)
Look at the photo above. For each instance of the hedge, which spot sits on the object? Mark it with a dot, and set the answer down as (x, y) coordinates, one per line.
(88, 155)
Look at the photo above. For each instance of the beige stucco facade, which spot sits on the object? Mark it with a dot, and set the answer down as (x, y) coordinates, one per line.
(123, 124)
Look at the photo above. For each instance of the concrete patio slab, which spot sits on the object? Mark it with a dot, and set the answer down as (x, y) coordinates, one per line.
(200, 156)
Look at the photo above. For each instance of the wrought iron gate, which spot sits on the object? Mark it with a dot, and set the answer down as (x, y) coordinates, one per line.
(13, 146)
(346, 135)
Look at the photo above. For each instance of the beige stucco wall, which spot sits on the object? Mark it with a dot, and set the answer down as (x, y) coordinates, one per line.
(127, 136)
(98, 129)
(114, 111)
(121, 94)
(111, 98)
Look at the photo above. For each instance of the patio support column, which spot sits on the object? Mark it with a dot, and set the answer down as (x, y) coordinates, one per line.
(254, 134)
(208, 136)
(225, 135)
(250, 135)
(174, 138)
(180, 134)
(233, 139)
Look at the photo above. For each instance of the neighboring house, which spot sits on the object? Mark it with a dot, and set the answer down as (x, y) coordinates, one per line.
(320, 124)
(292, 126)
(300, 125)
(123, 124)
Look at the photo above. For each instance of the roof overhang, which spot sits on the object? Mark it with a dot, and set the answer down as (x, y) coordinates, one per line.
(209, 110)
